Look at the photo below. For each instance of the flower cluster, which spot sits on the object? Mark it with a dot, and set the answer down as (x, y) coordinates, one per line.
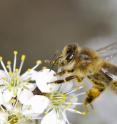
(28, 96)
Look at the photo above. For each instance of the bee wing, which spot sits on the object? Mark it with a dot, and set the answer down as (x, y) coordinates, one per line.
(109, 51)
(109, 74)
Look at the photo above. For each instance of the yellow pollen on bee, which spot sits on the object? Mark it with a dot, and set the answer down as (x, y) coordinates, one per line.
(23, 57)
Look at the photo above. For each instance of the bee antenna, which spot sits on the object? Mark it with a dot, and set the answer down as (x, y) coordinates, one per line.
(53, 62)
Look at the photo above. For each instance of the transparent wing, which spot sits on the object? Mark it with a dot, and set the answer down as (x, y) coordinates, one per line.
(108, 52)
(111, 75)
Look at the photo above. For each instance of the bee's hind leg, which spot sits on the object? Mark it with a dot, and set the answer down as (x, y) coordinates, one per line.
(113, 86)
(92, 94)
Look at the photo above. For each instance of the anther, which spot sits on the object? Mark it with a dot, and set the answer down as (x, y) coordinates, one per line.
(1, 58)
(8, 62)
(39, 62)
(23, 57)
(15, 52)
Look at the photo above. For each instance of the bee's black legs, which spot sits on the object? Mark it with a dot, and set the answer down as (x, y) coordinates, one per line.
(61, 73)
(67, 79)
(57, 82)
(73, 77)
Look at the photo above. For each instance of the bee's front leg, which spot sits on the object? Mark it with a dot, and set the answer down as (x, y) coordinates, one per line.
(63, 72)
(66, 79)
(73, 77)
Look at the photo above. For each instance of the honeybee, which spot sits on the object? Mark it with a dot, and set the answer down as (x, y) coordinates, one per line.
(76, 62)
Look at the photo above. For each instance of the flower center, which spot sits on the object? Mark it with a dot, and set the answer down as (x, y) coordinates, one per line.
(15, 79)
(12, 119)
(57, 98)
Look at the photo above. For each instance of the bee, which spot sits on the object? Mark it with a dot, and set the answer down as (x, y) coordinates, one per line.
(75, 62)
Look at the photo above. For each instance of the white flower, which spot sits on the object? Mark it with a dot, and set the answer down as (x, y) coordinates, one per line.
(51, 118)
(13, 116)
(15, 84)
(35, 106)
(57, 101)
(3, 117)
(60, 103)
(43, 78)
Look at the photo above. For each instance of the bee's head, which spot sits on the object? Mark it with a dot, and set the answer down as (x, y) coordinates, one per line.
(68, 55)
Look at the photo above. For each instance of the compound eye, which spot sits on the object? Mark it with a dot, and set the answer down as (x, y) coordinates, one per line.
(69, 57)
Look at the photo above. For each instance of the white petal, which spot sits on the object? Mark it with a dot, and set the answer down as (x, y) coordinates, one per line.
(66, 87)
(1, 98)
(31, 87)
(43, 78)
(24, 96)
(9, 106)
(51, 118)
(28, 74)
(27, 112)
(38, 103)
(7, 95)
(73, 100)
(2, 75)
(3, 117)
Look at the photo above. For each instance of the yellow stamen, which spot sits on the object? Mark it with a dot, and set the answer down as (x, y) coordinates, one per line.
(39, 62)
(17, 69)
(15, 52)
(58, 98)
(9, 66)
(12, 119)
(8, 62)
(3, 65)
(1, 58)
(15, 60)
(23, 57)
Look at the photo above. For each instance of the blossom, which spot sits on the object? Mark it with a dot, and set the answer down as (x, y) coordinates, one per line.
(56, 101)
(19, 104)
(13, 116)
(35, 106)
(13, 83)
(60, 103)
